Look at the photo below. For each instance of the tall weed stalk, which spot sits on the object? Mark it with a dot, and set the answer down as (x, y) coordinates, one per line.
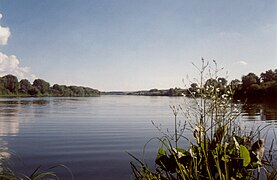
(219, 150)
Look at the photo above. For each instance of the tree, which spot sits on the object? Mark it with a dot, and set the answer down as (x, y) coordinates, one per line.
(173, 92)
(24, 86)
(211, 82)
(42, 86)
(222, 82)
(154, 90)
(194, 85)
(77, 91)
(250, 79)
(62, 90)
(3, 90)
(33, 91)
(269, 76)
(11, 83)
(235, 83)
(91, 92)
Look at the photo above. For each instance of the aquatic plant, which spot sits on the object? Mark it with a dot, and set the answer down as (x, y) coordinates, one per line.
(6, 173)
(220, 148)
(37, 174)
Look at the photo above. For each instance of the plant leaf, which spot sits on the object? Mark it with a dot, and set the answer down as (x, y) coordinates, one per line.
(161, 152)
(182, 151)
(245, 155)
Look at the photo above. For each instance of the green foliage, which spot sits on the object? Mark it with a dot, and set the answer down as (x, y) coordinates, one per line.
(3, 90)
(174, 92)
(222, 82)
(75, 91)
(254, 87)
(250, 79)
(9, 86)
(219, 151)
(7, 173)
(269, 76)
(244, 155)
(250, 87)
(37, 174)
(24, 86)
(10, 83)
(42, 86)
(61, 90)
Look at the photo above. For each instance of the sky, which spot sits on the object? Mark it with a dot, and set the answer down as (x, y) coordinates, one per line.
(126, 45)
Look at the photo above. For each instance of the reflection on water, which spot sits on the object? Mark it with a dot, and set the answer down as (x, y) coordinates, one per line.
(9, 122)
(91, 135)
(4, 153)
(269, 111)
(11, 110)
(264, 111)
(24, 101)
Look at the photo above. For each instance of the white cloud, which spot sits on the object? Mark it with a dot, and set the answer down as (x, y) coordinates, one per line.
(4, 35)
(242, 62)
(11, 65)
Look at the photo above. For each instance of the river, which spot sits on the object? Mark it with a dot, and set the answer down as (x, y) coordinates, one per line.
(91, 136)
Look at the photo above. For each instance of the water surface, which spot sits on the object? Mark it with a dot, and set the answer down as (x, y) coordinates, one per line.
(91, 135)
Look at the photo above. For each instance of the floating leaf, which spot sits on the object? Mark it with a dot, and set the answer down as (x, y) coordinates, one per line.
(245, 155)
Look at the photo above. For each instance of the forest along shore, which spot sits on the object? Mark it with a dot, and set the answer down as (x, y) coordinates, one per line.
(11, 87)
(249, 87)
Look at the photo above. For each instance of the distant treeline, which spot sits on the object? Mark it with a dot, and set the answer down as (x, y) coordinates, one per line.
(10, 86)
(250, 86)
(157, 92)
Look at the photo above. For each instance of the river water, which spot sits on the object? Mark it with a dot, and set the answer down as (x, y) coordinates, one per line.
(91, 136)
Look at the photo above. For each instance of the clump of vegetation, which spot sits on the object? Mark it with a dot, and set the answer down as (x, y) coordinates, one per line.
(251, 86)
(220, 149)
(9, 86)
(38, 174)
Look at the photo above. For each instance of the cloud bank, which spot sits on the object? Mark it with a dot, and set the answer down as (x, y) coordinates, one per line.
(11, 64)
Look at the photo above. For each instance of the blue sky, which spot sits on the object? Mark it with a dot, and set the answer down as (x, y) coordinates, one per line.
(133, 45)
